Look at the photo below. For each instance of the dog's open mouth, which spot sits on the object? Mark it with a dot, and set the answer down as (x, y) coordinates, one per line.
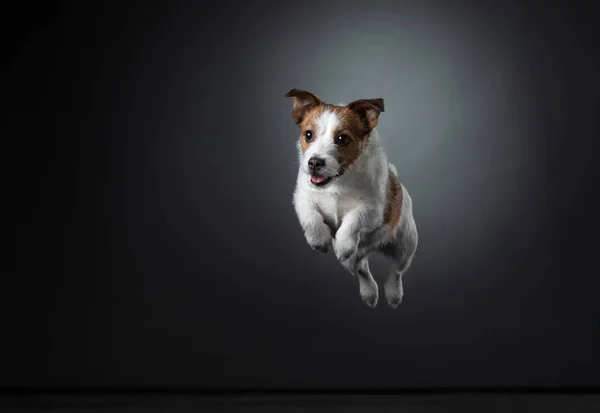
(319, 180)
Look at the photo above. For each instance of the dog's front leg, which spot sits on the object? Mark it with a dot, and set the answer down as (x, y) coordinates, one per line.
(361, 219)
(346, 247)
(317, 233)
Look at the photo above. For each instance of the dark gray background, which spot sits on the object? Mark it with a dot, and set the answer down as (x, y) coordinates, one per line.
(156, 243)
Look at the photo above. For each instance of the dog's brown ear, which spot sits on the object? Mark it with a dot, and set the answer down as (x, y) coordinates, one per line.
(368, 109)
(303, 102)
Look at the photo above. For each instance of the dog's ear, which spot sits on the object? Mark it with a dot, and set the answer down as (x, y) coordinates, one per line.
(368, 109)
(303, 102)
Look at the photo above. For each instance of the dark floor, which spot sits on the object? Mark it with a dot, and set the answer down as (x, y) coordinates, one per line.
(429, 403)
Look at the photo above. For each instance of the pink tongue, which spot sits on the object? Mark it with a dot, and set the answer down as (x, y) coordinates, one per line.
(317, 179)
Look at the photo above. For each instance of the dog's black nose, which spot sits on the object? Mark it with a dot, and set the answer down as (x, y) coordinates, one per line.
(315, 163)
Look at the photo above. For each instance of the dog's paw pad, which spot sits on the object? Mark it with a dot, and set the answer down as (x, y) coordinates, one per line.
(370, 297)
(394, 302)
(371, 302)
(323, 249)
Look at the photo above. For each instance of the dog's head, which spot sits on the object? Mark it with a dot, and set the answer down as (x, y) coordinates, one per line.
(332, 137)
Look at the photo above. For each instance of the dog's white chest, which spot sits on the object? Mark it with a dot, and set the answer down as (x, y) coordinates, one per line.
(335, 207)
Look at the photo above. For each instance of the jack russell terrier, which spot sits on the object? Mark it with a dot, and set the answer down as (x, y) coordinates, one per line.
(348, 197)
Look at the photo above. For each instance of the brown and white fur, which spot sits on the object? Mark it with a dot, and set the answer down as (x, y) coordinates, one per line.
(348, 197)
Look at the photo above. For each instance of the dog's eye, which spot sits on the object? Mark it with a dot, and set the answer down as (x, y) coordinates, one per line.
(308, 135)
(342, 140)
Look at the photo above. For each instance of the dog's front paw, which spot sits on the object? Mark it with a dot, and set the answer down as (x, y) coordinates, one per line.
(345, 249)
(323, 249)
(319, 239)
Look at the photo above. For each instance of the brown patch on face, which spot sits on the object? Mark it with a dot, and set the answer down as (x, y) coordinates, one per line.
(393, 206)
(352, 127)
(309, 123)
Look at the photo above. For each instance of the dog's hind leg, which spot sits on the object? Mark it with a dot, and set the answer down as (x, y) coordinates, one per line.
(369, 292)
(401, 252)
(393, 284)
(359, 267)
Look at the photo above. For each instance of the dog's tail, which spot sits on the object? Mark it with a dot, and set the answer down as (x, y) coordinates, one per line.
(393, 169)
